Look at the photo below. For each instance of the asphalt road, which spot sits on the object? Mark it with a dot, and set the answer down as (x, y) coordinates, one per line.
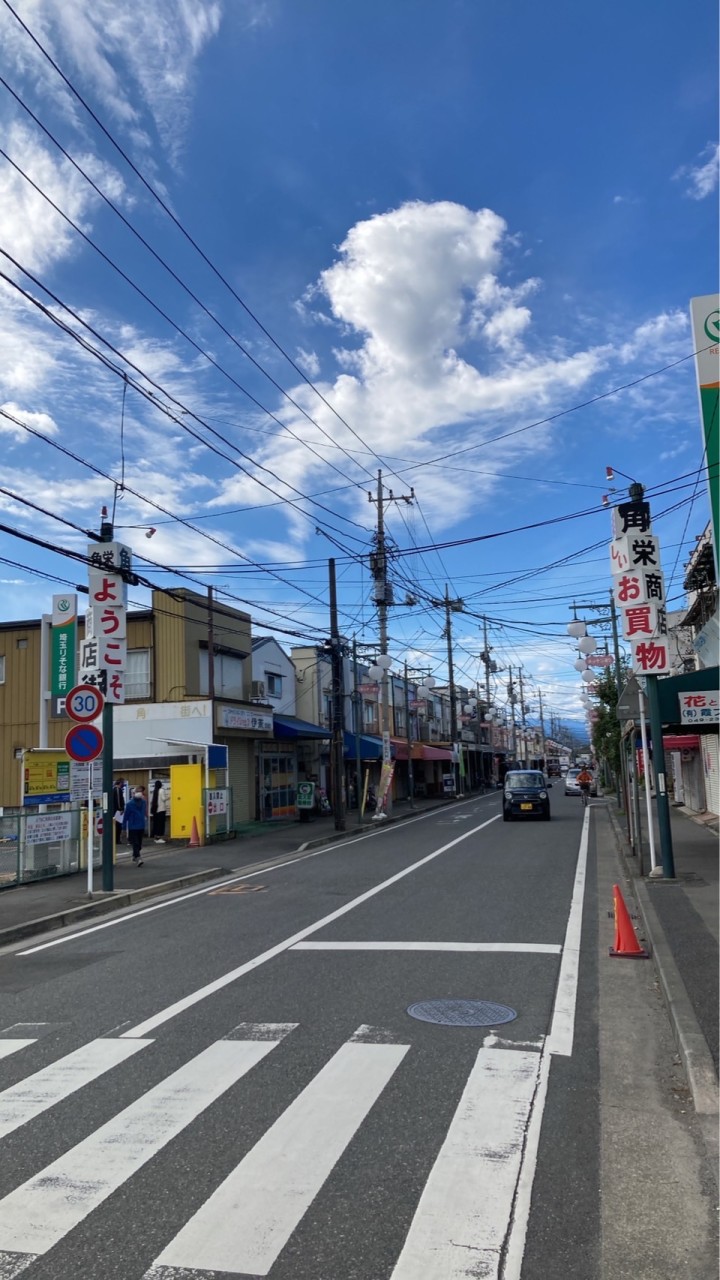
(229, 1083)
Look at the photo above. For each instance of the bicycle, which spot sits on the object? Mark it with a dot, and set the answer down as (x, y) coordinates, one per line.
(585, 793)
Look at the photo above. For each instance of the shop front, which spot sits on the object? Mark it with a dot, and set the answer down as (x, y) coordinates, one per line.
(284, 761)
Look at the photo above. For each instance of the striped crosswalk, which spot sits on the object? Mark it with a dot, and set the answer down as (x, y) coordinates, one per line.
(250, 1216)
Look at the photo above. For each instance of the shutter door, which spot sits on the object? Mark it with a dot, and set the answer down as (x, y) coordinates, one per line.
(711, 768)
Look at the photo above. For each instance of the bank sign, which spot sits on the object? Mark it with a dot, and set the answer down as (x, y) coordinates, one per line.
(63, 648)
(705, 316)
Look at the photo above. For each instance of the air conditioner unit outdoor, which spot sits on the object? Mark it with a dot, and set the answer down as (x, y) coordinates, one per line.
(258, 689)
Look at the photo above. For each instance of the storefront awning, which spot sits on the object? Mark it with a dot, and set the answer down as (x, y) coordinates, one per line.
(681, 741)
(435, 753)
(370, 748)
(287, 727)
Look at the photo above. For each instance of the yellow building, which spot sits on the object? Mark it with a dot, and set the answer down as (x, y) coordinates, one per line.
(171, 680)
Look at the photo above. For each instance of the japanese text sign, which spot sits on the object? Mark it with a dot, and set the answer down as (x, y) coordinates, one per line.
(634, 551)
(651, 657)
(643, 621)
(639, 586)
(702, 706)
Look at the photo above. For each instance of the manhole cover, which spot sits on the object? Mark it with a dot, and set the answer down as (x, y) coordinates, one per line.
(462, 1013)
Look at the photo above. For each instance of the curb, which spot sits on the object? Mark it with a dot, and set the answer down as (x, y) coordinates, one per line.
(103, 906)
(691, 1043)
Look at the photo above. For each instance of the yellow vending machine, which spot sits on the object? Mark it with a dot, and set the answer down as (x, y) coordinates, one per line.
(186, 802)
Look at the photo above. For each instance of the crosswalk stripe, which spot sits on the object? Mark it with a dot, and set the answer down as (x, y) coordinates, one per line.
(466, 1206)
(35, 1216)
(36, 1093)
(246, 1222)
(13, 1046)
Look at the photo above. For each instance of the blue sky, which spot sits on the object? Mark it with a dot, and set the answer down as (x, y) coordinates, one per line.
(457, 219)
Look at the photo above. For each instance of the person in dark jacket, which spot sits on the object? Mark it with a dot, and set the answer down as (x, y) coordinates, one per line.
(118, 806)
(135, 822)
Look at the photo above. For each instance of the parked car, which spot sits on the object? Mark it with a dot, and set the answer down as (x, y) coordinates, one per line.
(572, 786)
(525, 795)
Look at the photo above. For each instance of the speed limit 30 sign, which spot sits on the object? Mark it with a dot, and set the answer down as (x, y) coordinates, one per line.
(84, 703)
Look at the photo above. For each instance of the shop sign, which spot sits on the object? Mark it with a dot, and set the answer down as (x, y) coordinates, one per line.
(63, 645)
(702, 706)
(217, 802)
(243, 718)
(306, 795)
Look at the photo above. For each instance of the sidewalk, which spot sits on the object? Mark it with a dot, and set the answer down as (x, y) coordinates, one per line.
(43, 905)
(679, 923)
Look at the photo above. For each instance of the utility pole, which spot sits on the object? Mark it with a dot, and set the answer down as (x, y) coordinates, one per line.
(511, 696)
(211, 650)
(542, 725)
(383, 597)
(411, 774)
(357, 707)
(522, 718)
(338, 702)
(486, 659)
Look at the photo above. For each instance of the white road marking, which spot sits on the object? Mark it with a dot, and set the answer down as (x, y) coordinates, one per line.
(246, 1223)
(129, 916)
(515, 1247)
(36, 1093)
(462, 1217)
(13, 1046)
(38, 1214)
(539, 948)
(143, 1028)
(562, 1027)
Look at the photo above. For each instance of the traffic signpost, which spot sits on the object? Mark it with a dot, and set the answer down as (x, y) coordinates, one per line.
(83, 742)
(84, 703)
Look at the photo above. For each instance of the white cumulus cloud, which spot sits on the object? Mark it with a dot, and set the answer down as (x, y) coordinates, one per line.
(701, 177)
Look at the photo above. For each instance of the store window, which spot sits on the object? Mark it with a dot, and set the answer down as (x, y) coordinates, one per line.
(227, 675)
(278, 787)
(370, 714)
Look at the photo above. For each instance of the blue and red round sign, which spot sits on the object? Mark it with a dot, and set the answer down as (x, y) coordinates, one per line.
(83, 742)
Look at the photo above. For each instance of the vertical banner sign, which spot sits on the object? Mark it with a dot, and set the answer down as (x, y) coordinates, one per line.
(63, 647)
(639, 587)
(103, 653)
(705, 315)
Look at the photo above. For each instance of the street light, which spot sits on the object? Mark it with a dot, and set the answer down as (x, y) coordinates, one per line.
(577, 629)
(588, 676)
(580, 665)
(587, 644)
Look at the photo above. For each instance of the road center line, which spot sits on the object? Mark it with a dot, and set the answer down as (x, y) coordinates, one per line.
(540, 948)
(129, 916)
(202, 993)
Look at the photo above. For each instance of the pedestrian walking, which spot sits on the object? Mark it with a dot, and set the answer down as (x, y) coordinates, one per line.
(158, 811)
(118, 806)
(134, 822)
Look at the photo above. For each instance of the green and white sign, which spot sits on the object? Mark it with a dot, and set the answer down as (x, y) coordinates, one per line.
(63, 648)
(705, 314)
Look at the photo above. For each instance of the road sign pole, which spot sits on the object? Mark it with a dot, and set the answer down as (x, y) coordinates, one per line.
(661, 796)
(90, 836)
(108, 870)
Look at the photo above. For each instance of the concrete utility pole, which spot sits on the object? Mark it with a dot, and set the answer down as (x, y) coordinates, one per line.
(542, 725)
(522, 717)
(486, 659)
(451, 687)
(513, 737)
(383, 597)
(108, 831)
(338, 704)
(411, 773)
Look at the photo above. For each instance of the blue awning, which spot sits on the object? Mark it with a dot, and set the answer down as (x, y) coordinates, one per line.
(290, 727)
(370, 748)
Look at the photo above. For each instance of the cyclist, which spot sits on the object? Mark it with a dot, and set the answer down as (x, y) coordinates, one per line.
(585, 781)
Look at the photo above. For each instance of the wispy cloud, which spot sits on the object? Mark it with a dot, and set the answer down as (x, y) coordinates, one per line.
(701, 177)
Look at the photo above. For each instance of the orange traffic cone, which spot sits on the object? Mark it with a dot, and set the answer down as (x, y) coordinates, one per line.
(195, 841)
(626, 943)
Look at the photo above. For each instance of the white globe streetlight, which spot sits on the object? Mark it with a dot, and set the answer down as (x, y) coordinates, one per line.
(430, 682)
(588, 677)
(587, 644)
(384, 661)
(580, 665)
(577, 628)
(375, 673)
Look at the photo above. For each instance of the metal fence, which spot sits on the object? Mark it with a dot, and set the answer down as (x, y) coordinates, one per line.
(36, 845)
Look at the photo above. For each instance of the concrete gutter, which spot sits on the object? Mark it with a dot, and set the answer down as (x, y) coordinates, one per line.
(692, 1046)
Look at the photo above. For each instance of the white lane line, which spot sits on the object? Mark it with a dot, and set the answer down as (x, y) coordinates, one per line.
(562, 1027)
(128, 917)
(38, 1214)
(246, 1223)
(36, 1093)
(538, 948)
(13, 1046)
(515, 1248)
(143, 1028)
(466, 1205)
